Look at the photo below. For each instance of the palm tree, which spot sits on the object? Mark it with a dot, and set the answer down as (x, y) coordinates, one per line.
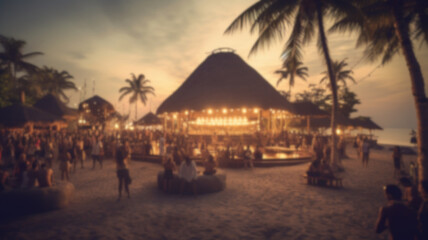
(291, 68)
(54, 82)
(272, 17)
(341, 74)
(389, 26)
(14, 60)
(139, 88)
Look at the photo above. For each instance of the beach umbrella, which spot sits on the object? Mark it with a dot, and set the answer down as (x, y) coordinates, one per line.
(18, 115)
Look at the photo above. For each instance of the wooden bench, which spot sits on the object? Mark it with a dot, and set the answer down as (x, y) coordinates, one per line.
(324, 181)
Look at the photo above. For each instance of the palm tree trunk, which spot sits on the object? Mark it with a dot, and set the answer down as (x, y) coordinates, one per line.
(136, 102)
(332, 77)
(418, 88)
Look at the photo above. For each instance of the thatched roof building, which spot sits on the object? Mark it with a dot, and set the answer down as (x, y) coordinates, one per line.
(148, 120)
(18, 115)
(96, 109)
(50, 103)
(224, 80)
(365, 122)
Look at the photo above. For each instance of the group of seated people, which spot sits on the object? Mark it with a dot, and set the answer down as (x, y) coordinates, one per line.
(187, 172)
(26, 174)
(320, 169)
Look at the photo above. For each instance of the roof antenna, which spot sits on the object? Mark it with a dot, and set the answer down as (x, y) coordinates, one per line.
(93, 88)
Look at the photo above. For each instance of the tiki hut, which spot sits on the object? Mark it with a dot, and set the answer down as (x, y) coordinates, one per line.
(95, 111)
(365, 122)
(321, 122)
(21, 116)
(307, 111)
(150, 119)
(224, 95)
(50, 103)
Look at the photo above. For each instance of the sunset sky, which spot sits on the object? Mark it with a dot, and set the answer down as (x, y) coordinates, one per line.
(103, 41)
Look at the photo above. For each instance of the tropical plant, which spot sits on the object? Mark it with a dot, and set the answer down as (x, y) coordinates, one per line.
(271, 17)
(138, 88)
(15, 61)
(52, 81)
(387, 27)
(341, 74)
(347, 102)
(290, 69)
(316, 95)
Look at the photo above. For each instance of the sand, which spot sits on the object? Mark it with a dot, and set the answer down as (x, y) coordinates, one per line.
(260, 203)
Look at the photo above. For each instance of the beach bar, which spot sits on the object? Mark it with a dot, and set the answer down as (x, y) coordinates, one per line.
(225, 96)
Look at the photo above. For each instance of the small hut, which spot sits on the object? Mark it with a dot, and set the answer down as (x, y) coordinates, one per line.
(51, 104)
(149, 121)
(25, 117)
(95, 112)
(305, 111)
(366, 123)
(224, 95)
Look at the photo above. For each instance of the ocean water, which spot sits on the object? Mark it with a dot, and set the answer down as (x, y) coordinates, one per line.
(394, 136)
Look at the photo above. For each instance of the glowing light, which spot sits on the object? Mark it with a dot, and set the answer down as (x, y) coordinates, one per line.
(223, 121)
(338, 131)
(186, 112)
(224, 110)
(256, 110)
(244, 110)
(174, 116)
(210, 111)
(116, 126)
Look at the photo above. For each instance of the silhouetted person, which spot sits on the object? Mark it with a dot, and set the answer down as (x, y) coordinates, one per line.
(423, 211)
(396, 216)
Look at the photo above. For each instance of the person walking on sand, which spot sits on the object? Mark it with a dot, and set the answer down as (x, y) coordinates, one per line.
(64, 167)
(97, 148)
(365, 150)
(124, 179)
(396, 216)
(396, 156)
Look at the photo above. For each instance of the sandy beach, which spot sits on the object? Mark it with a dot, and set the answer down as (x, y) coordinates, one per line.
(259, 203)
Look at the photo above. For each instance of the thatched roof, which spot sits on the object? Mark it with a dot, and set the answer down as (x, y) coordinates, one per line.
(307, 109)
(365, 122)
(96, 102)
(224, 80)
(148, 119)
(18, 115)
(50, 103)
(97, 107)
(324, 122)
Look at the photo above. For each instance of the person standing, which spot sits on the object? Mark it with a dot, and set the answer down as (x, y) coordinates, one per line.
(97, 148)
(396, 156)
(188, 174)
(365, 150)
(64, 167)
(423, 211)
(396, 216)
(124, 179)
